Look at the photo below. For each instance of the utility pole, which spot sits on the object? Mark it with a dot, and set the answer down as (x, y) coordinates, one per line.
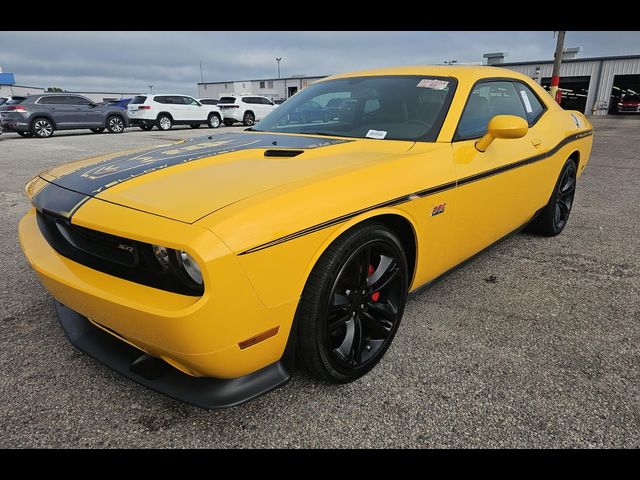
(555, 76)
(201, 73)
(278, 60)
(150, 88)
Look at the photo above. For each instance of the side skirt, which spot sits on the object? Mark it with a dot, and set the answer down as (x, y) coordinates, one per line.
(418, 290)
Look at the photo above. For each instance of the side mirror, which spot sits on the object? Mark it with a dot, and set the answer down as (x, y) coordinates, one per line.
(502, 126)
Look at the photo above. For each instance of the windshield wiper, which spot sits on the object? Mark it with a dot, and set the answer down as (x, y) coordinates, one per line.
(324, 134)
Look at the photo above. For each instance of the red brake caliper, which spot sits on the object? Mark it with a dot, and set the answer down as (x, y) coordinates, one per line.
(376, 295)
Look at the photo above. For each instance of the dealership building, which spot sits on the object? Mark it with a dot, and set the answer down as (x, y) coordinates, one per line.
(274, 88)
(593, 85)
(9, 88)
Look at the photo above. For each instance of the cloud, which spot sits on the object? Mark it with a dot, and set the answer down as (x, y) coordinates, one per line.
(130, 61)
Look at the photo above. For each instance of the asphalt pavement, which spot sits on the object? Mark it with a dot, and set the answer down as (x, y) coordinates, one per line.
(534, 343)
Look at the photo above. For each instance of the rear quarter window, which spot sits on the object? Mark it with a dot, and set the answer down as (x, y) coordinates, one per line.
(228, 100)
(138, 99)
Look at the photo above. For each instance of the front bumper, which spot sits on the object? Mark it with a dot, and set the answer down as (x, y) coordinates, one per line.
(162, 377)
(200, 336)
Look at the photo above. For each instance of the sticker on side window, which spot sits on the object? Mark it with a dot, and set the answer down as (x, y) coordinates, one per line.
(433, 83)
(525, 99)
(378, 134)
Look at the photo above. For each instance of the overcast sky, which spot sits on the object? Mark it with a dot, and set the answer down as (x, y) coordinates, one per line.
(170, 61)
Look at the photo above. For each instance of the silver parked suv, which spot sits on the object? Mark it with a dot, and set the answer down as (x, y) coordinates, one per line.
(41, 115)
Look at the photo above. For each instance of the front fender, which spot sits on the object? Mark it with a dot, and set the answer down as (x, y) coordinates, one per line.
(279, 273)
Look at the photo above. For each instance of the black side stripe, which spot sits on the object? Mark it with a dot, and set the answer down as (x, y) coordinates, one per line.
(421, 193)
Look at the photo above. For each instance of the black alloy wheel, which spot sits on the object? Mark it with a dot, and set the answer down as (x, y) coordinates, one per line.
(97, 130)
(145, 127)
(555, 215)
(228, 122)
(564, 198)
(352, 304)
(248, 119)
(42, 128)
(115, 124)
(194, 125)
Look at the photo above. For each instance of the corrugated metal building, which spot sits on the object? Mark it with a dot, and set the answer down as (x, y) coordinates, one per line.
(594, 85)
(274, 88)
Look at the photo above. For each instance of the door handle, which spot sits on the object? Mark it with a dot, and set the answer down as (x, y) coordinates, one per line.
(536, 142)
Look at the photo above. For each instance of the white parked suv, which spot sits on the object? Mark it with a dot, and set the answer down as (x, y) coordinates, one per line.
(247, 109)
(164, 111)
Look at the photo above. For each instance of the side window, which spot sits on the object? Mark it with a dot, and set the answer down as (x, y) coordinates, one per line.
(532, 106)
(247, 100)
(161, 99)
(487, 100)
(189, 101)
(72, 100)
(57, 100)
(265, 101)
(177, 100)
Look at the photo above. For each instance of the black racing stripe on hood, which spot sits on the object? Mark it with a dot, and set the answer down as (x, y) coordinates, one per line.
(94, 179)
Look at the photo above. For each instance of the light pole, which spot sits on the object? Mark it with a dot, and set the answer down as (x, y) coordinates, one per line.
(150, 88)
(555, 92)
(278, 60)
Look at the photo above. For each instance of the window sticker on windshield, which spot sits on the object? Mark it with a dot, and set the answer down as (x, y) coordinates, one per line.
(433, 83)
(378, 134)
(525, 99)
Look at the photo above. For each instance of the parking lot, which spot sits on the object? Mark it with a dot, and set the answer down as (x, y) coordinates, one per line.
(535, 343)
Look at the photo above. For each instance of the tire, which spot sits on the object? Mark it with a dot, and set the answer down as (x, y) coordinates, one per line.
(25, 134)
(214, 120)
(248, 119)
(146, 128)
(194, 125)
(228, 122)
(555, 215)
(97, 130)
(42, 128)
(165, 122)
(343, 311)
(115, 124)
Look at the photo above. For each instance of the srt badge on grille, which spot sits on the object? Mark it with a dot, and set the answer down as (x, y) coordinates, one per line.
(127, 248)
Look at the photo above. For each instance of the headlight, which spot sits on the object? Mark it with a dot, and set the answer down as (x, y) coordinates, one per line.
(189, 265)
(179, 263)
(162, 254)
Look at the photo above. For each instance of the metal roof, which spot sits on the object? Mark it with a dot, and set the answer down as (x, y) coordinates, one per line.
(306, 77)
(572, 60)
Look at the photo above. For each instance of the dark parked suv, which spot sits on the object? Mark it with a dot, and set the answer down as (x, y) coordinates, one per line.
(41, 115)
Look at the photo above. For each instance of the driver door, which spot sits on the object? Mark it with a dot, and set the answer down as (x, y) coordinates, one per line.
(495, 192)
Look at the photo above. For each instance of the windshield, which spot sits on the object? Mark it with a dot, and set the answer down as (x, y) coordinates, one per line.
(389, 107)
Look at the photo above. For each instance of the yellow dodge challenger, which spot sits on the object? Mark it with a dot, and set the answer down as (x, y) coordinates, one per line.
(203, 269)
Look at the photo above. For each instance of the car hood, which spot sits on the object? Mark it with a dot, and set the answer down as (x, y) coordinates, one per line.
(189, 180)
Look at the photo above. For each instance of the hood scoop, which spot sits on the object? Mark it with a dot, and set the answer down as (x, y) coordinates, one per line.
(282, 153)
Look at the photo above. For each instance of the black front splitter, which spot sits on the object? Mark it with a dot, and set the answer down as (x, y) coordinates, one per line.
(204, 392)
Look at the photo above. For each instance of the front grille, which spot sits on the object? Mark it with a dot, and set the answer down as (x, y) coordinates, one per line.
(110, 254)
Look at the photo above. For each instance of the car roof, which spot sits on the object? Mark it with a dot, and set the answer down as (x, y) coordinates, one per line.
(165, 95)
(462, 72)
